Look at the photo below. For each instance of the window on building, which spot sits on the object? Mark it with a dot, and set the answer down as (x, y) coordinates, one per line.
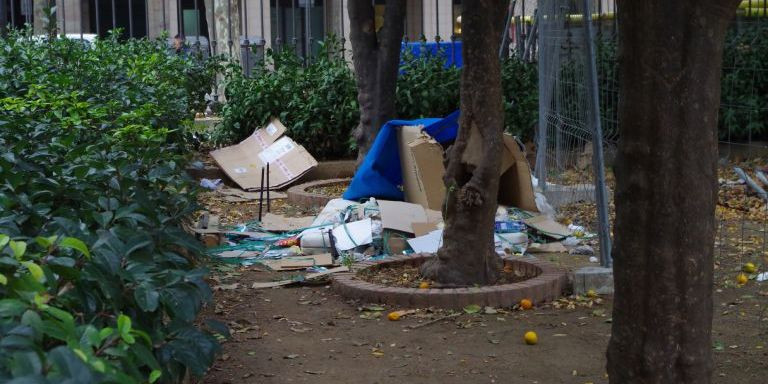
(297, 23)
(456, 12)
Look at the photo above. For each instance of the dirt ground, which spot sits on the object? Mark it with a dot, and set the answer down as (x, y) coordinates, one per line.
(309, 334)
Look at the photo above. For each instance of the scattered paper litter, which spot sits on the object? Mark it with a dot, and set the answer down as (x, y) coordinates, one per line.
(353, 234)
(428, 243)
(278, 223)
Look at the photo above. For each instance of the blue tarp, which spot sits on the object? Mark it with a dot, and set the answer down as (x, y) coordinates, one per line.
(450, 50)
(379, 175)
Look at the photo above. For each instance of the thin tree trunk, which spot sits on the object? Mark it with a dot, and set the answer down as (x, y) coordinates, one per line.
(666, 174)
(376, 58)
(468, 256)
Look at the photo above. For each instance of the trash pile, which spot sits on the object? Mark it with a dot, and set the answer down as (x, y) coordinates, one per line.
(404, 171)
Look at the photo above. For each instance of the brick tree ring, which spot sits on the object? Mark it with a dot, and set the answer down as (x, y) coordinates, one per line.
(546, 282)
(298, 194)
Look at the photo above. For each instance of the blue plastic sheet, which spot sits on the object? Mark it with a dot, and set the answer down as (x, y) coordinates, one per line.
(379, 175)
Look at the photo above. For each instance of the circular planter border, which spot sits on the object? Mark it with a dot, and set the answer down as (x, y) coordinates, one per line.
(298, 194)
(547, 285)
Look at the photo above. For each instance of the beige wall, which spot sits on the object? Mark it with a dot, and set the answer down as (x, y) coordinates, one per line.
(72, 16)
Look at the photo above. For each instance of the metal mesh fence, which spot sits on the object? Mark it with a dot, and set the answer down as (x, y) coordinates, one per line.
(569, 165)
(565, 165)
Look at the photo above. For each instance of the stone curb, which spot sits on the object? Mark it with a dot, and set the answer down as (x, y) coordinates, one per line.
(548, 284)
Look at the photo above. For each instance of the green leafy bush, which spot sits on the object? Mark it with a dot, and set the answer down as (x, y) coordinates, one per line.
(744, 106)
(319, 106)
(92, 147)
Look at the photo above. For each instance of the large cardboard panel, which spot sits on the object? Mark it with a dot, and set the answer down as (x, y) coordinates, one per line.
(400, 216)
(421, 161)
(423, 170)
(515, 186)
(243, 162)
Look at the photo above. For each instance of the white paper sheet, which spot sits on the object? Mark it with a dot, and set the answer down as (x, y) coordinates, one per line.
(428, 243)
(360, 231)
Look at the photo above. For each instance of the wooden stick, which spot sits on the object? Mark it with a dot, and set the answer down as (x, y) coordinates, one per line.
(439, 319)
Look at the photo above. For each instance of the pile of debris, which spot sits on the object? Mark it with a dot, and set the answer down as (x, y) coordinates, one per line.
(406, 218)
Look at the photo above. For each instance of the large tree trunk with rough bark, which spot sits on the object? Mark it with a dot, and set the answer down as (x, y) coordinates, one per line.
(670, 55)
(376, 58)
(467, 256)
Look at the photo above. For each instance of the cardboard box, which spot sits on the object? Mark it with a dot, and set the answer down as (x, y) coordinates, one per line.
(400, 216)
(243, 162)
(421, 162)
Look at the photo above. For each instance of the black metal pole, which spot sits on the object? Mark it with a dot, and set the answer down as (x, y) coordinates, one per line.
(343, 35)
(229, 23)
(246, 43)
(130, 18)
(213, 28)
(293, 25)
(308, 33)
(114, 16)
(82, 23)
(423, 12)
(261, 193)
(263, 52)
(98, 19)
(165, 25)
(180, 21)
(437, 23)
(277, 26)
(197, 25)
(63, 19)
(13, 15)
(267, 187)
(146, 17)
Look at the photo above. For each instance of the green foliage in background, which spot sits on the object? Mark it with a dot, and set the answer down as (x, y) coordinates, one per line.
(98, 281)
(318, 103)
(744, 108)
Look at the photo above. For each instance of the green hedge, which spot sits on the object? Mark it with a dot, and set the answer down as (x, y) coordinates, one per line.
(318, 103)
(92, 148)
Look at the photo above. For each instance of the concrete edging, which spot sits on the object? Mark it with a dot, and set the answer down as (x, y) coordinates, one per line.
(548, 283)
(298, 195)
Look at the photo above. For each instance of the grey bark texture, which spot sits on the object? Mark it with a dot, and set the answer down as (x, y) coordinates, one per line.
(670, 58)
(376, 59)
(467, 256)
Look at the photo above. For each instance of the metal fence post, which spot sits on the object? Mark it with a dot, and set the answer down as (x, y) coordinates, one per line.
(246, 43)
(98, 19)
(197, 25)
(601, 193)
(63, 19)
(130, 18)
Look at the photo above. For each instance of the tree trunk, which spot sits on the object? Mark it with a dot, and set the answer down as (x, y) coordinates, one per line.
(467, 256)
(666, 174)
(376, 58)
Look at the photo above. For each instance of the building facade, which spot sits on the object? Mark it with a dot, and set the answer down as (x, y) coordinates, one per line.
(224, 25)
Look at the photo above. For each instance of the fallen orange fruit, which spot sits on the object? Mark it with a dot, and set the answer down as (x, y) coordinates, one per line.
(424, 285)
(531, 338)
(741, 279)
(526, 304)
